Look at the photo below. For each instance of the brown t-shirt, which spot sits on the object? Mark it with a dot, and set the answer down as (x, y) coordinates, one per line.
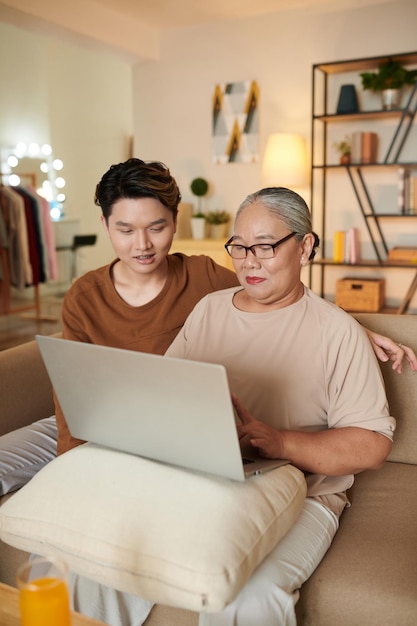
(93, 312)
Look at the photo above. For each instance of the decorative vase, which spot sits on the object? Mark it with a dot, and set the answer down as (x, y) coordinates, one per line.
(348, 101)
(198, 227)
(390, 99)
(218, 231)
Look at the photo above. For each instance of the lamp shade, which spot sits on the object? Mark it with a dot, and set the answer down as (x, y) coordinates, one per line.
(285, 161)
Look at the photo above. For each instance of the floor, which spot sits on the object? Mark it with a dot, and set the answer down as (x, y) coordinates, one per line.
(19, 328)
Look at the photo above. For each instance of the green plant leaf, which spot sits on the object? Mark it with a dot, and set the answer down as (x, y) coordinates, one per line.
(390, 75)
(199, 186)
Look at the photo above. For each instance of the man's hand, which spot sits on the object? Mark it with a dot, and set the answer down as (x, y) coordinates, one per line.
(387, 350)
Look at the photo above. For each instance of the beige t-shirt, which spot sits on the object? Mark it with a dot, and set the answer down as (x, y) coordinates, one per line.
(308, 367)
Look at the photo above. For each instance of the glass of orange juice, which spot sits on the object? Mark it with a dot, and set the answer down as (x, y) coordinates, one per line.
(43, 592)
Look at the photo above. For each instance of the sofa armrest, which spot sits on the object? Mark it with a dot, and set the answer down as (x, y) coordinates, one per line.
(25, 387)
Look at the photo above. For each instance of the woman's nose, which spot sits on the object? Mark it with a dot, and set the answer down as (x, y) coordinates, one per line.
(250, 260)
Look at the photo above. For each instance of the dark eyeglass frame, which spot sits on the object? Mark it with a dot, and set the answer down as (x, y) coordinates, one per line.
(229, 246)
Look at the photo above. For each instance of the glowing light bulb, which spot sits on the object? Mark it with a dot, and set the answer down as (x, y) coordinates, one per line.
(14, 180)
(12, 160)
(46, 149)
(33, 149)
(60, 182)
(55, 213)
(44, 167)
(47, 190)
(57, 164)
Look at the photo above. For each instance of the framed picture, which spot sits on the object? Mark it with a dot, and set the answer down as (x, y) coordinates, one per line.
(235, 129)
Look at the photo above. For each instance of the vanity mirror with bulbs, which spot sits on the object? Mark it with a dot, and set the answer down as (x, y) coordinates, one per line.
(37, 166)
(31, 198)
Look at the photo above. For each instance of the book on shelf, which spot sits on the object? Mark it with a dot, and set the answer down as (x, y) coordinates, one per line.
(353, 245)
(339, 246)
(407, 192)
(346, 246)
(407, 254)
(364, 147)
(401, 188)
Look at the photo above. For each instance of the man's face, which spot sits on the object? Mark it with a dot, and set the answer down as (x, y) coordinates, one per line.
(141, 232)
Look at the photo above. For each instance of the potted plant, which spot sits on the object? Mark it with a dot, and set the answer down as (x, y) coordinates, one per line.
(199, 187)
(344, 148)
(218, 221)
(390, 78)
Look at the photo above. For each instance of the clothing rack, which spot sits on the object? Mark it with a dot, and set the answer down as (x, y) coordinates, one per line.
(6, 307)
(34, 304)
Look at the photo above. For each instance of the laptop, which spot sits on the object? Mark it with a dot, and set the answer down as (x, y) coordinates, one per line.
(170, 410)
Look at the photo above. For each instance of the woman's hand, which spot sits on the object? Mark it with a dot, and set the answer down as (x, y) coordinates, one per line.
(333, 452)
(386, 349)
(256, 434)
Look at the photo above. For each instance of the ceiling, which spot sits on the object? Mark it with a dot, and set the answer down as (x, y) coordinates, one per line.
(133, 28)
(168, 14)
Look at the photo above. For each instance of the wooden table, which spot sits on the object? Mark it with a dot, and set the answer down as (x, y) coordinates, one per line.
(9, 610)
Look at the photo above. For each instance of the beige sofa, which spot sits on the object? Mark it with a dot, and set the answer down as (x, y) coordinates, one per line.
(369, 575)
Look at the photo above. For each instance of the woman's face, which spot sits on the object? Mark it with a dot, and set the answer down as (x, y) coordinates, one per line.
(141, 232)
(274, 282)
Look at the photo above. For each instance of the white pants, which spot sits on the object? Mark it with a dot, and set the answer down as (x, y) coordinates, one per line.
(269, 597)
(112, 607)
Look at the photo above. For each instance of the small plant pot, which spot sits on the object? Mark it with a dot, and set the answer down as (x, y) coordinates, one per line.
(198, 227)
(390, 99)
(344, 159)
(218, 231)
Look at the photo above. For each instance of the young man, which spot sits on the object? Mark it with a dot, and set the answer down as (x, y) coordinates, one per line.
(141, 299)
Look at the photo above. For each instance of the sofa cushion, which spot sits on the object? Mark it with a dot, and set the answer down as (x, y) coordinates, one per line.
(369, 576)
(23, 452)
(167, 534)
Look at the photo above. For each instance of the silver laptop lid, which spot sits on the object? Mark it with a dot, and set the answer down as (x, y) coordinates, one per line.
(171, 410)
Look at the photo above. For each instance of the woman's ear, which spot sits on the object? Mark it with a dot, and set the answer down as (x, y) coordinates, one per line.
(307, 246)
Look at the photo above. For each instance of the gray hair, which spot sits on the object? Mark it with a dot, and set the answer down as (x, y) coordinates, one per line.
(288, 206)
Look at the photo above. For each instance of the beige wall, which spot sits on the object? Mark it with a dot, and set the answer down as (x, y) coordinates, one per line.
(172, 97)
(79, 101)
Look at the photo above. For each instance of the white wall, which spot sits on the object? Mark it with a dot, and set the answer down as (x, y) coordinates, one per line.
(79, 101)
(172, 97)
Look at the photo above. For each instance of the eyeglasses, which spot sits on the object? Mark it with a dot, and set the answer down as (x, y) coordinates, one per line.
(260, 250)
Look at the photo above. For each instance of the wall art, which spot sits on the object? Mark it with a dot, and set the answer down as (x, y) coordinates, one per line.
(235, 129)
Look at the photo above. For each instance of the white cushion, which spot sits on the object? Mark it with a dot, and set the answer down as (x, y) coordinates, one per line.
(24, 451)
(163, 533)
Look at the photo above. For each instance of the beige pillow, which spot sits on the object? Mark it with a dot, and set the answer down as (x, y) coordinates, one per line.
(163, 533)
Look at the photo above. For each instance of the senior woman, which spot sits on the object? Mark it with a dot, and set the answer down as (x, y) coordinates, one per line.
(306, 387)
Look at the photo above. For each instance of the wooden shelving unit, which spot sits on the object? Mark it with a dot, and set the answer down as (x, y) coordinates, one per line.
(402, 120)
